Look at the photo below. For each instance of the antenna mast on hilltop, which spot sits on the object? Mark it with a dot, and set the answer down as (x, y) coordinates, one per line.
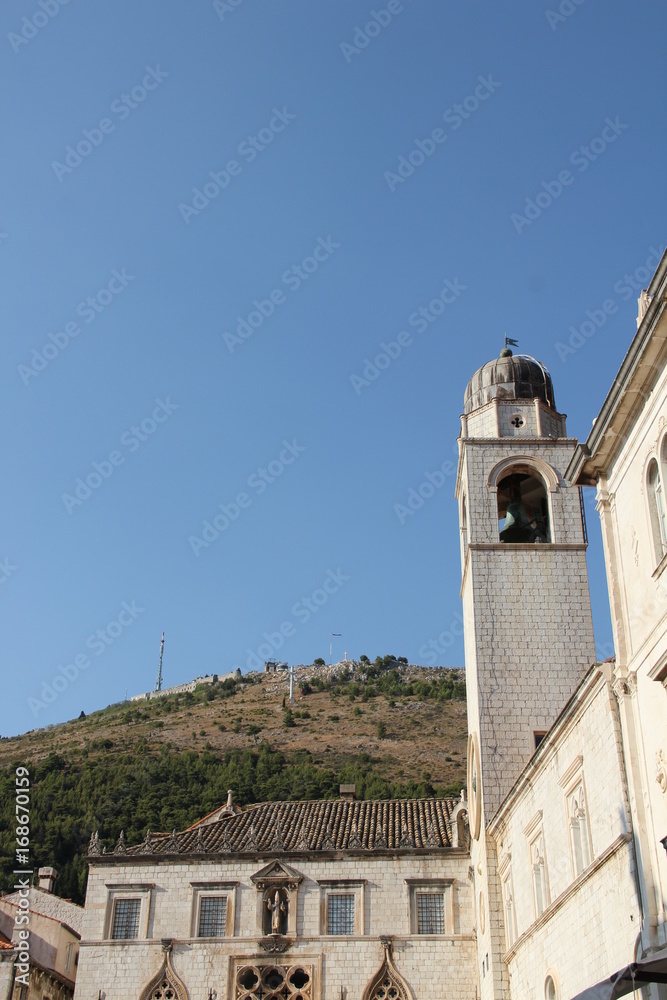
(158, 682)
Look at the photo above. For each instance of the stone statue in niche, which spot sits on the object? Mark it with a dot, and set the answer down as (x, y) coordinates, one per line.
(277, 908)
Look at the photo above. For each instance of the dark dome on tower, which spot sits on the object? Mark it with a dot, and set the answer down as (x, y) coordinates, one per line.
(509, 377)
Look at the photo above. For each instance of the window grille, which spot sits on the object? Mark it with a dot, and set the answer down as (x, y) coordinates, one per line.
(340, 913)
(126, 918)
(430, 913)
(212, 916)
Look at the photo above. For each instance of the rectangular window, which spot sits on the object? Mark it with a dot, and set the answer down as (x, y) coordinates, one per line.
(68, 957)
(430, 913)
(212, 916)
(126, 918)
(340, 913)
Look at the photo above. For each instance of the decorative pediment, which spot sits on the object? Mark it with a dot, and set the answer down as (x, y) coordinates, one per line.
(166, 985)
(276, 873)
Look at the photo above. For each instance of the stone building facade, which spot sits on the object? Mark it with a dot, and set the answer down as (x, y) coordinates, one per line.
(625, 457)
(287, 900)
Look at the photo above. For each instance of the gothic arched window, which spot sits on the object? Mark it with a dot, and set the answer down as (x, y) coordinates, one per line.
(579, 831)
(656, 506)
(523, 511)
(540, 888)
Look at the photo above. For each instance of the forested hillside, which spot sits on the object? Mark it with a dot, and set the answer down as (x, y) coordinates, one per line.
(393, 730)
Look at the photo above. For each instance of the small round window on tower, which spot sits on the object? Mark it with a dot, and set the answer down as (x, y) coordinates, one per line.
(517, 421)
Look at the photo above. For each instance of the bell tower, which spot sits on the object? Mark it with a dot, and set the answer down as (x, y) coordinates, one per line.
(528, 627)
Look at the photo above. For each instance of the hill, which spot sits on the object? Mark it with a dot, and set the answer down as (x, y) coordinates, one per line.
(393, 729)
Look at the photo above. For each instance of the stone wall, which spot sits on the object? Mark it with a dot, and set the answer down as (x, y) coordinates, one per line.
(443, 964)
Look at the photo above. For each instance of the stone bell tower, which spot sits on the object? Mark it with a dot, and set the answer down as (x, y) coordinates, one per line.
(528, 626)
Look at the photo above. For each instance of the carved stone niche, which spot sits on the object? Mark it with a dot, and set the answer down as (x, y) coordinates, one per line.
(277, 890)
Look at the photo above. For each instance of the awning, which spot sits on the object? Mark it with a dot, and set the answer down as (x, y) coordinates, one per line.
(652, 969)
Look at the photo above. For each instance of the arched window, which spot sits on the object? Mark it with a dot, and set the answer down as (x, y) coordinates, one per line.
(656, 506)
(550, 992)
(579, 831)
(540, 889)
(508, 903)
(523, 512)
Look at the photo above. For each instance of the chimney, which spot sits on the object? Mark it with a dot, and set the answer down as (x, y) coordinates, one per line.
(348, 792)
(47, 877)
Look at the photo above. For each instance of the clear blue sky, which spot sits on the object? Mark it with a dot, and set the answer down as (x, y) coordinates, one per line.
(303, 115)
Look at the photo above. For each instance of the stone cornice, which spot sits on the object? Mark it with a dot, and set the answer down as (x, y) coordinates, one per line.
(234, 942)
(527, 546)
(572, 771)
(122, 860)
(514, 441)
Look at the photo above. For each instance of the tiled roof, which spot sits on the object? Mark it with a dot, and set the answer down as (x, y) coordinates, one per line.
(332, 825)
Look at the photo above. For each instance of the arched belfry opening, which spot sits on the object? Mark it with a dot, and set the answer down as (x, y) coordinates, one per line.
(523, 510)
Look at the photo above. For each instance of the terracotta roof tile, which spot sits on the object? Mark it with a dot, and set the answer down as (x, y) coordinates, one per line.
(330, 825)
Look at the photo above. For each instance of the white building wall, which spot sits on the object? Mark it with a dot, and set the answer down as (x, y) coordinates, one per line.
(638, 596)
(590, 924)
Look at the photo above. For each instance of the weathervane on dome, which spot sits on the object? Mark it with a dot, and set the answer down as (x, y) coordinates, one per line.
(506, 352)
